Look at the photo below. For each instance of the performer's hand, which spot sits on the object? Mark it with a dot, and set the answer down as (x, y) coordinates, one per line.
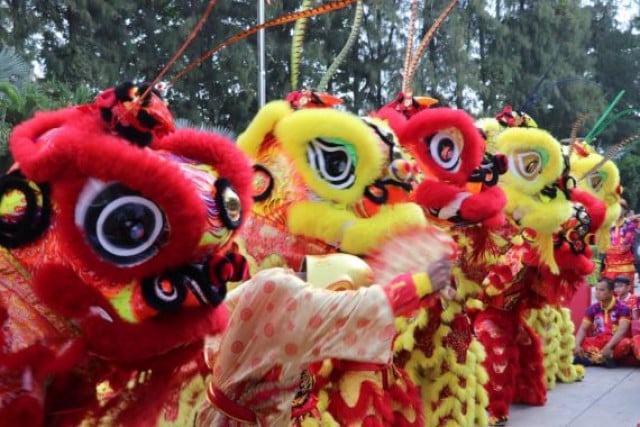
(448, 292)
(578, 351)
(440, 273)
(607, 352)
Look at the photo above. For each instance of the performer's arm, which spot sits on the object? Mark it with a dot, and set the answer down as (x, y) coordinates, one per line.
(406, 291)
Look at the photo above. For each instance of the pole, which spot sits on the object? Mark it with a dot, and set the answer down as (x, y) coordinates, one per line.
(261, 58)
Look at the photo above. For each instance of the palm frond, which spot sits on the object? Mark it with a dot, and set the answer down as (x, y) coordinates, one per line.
(13, 68)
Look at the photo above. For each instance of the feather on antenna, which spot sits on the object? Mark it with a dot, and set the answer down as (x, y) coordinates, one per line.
(296, 45)
(325, 8)
(611, 152)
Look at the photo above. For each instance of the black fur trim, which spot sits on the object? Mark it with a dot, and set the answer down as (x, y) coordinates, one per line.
(222, 184)
(35, 218)
(267, 192)
(139, 138)
(377, 199)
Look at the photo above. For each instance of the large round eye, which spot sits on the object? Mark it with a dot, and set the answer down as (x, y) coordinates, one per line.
(333, 162)
(121, 226)
(595, 181)
(229, 204)
(527, 164)
(445, 148)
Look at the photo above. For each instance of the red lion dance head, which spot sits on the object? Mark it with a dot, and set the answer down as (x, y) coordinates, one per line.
(113, 226)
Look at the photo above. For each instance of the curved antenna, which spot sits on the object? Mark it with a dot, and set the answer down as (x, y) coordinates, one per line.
(296, 45)
(597, 129)
(194, 32)
(351, 41)
(425, 42)
(549, 86)
(610, 153)
(325, 8)
(574, 133)
(406, 84)
(532, 95)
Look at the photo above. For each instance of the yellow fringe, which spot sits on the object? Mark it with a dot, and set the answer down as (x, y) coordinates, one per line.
(554, 327)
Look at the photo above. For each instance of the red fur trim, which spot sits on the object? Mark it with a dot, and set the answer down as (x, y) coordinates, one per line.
(482, 245)
(65, 293)
(595, 207)
(435, 194)
(163, 391)
(430, 121)
(141, 170)
(22, 385)
(219, 152)
(44, 159)
(24, 411)
(485, 207)
(397, 121)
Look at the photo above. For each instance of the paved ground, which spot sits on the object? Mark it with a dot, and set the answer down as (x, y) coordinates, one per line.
(605, 398)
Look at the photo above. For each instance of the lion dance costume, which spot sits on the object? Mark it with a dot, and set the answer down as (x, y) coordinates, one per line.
(459, 192)
(537, 206)
(329, 181)
(113, 231)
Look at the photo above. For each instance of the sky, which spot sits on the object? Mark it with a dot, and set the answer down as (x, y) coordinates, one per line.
(627, 9)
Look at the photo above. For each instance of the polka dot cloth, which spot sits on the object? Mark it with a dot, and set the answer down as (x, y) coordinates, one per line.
(280, 321)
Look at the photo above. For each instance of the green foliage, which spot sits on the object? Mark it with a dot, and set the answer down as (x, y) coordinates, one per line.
(560, 57)
(13, 69)
(21, 98)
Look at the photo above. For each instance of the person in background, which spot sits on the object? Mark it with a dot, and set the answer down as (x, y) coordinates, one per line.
(609, 321)
(619, 259)
(622, 289)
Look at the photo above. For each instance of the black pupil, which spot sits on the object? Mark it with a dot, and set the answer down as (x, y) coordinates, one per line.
(336, 162)
(232, 204)
(129, 225)
(445, 148)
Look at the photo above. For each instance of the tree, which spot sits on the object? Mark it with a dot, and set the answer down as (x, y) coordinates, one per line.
(20, 98)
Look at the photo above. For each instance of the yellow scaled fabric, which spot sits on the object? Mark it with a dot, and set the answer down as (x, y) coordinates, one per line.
(554, 327)
(453, 393)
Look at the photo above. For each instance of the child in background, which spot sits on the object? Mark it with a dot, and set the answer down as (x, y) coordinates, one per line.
(622, 289)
